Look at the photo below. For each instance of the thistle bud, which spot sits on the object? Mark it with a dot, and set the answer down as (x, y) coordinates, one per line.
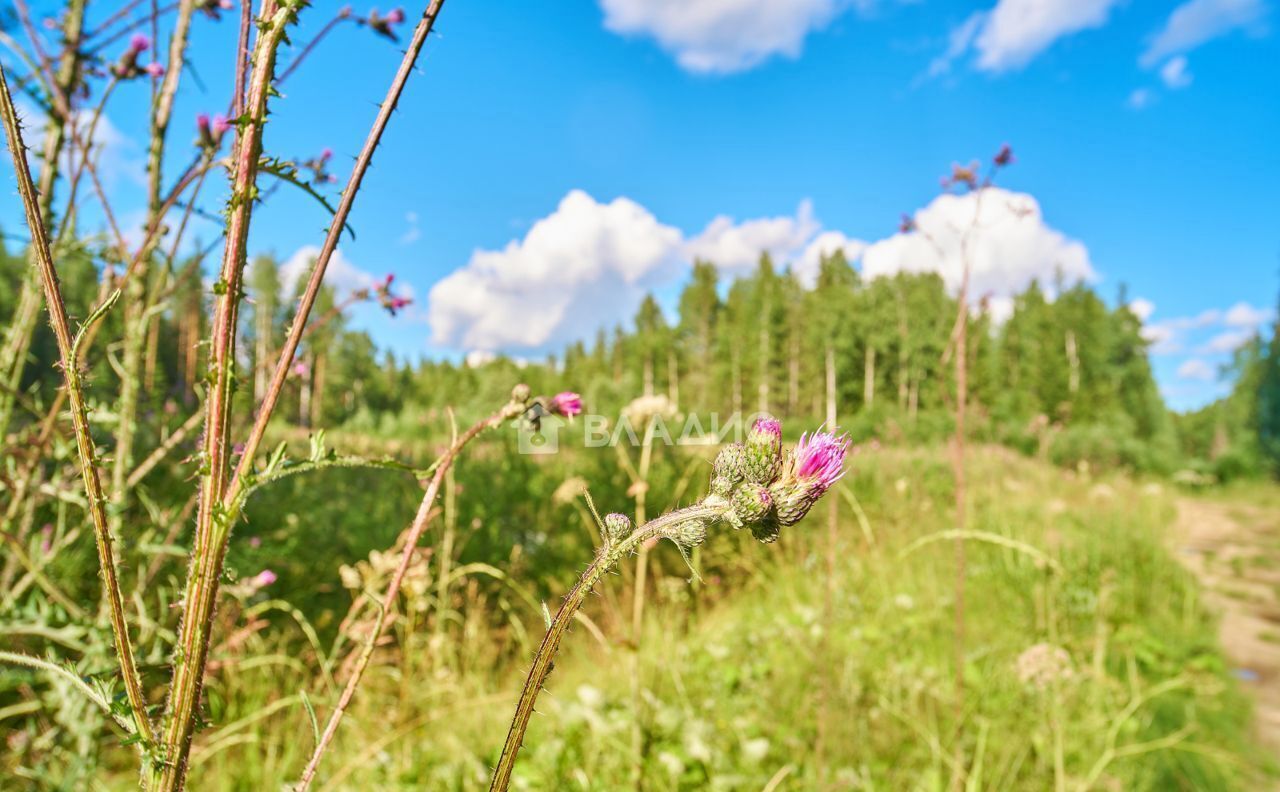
(767, 530)
(809, 471)
(520, 393)
(752, 503)
(617, 527)
(730, 465)
(722, 486)
(689, 533)
(764, 450)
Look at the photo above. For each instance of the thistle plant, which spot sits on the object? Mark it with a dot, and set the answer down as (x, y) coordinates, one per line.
(757, 485)
(227, 472)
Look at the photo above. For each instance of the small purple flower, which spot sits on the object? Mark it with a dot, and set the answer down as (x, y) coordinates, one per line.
(300, 369)
(155, 69)
(220, 124)
(907, 224)
(255, 541)
(264, 578)
(326, 154)
(395, 16)
(566, 403)
(139, 43)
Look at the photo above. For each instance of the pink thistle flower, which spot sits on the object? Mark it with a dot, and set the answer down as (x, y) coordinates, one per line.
(763, 457)
(326, 154)
(395, 16)
(816, 463)
(255, 541)
(264, 578)
(202, 123)
(300, 369)
(139, 43)
(566, 403)
(1004, 156)
(220, 124)
(155, 69)
(819, 459)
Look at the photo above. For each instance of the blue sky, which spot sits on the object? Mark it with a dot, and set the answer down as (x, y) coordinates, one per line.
(551, 162)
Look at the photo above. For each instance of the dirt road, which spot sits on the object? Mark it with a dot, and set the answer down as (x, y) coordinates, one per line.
(1235, 550)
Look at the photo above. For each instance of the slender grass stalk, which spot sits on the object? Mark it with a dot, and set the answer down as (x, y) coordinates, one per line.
(212, 526)
(511, 410)
(68, 351)
(607, 558)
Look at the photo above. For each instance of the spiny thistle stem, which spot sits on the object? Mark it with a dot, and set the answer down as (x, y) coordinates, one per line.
(307, 302)
(512, 410)
(212, 527)
(607, 558)
(67, 350)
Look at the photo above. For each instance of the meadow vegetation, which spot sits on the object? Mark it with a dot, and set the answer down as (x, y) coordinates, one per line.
(210, 485)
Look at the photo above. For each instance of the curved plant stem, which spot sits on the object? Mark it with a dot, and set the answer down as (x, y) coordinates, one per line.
(606, 559)
(512, 410)
(67, 350)
(17, 658)
(308, 300)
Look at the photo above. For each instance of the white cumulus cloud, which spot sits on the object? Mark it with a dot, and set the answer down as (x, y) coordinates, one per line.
(1242, 314)
(585, 265)
(1142, 308)
(722, 36)
(1009, 244)
(1016, 31)
(1196, 369)
(1197, 21)
(341, 275)
(1175, 74)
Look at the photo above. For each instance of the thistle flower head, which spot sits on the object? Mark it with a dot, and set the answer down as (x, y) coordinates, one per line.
(566, 403)
(155, 69)
(264, 578)
(811, 468)
(395, 16)
(220, 124)
(139, 43)
(764, 450)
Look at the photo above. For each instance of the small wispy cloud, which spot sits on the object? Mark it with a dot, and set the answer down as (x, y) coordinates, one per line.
(412, 232)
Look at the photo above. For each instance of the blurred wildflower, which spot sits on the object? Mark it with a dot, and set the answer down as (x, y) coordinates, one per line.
(641, 409)
(1004, 156)
(261, 580)
(214, 8)
(1042, 664)
(128, 68)
(384, 25)
(319, 167)
(567, 404)
(907, 224)
(211, 130)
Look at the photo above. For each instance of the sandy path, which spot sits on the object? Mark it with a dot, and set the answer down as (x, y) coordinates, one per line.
(1235, 550)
